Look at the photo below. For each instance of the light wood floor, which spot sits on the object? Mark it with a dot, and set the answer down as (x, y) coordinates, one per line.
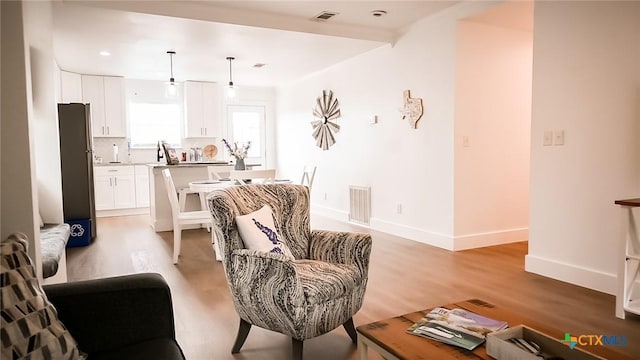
(404, 276)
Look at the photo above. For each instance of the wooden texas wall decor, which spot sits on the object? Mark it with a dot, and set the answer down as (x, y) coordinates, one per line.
(326, 112)
(412, 110)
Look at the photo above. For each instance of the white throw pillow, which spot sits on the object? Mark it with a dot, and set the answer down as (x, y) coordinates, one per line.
(258, 232)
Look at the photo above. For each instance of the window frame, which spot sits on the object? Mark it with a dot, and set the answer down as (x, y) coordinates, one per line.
(257, 108)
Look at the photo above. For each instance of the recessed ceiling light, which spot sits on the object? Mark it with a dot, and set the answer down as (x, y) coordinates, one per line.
(378, 13)
(105, 53)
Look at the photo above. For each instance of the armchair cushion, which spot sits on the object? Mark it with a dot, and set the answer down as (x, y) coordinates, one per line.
(258, 232)
(30, 324)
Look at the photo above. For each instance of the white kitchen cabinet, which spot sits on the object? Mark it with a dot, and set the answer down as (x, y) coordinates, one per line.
(114, 187)
(106, 96)
(103, 191)
(142, 186)
(202, 109)
(70, 87)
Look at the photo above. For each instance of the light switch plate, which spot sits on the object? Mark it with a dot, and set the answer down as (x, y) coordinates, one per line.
(558, 138)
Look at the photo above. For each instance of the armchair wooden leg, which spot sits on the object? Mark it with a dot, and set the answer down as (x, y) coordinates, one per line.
(243, 331)
(351, 330)
(297, 349)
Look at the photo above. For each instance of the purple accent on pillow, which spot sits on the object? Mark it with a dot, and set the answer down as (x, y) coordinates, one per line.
(271, 235)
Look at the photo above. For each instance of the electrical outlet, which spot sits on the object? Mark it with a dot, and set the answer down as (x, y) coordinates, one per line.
(548, 138)
(399, 209)
(373, 119)
(325, 196)
(465, 141)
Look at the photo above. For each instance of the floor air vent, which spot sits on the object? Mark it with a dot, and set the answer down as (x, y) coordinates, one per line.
(359, 204)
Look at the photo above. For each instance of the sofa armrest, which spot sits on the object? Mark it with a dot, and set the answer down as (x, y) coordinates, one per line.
(109, 313)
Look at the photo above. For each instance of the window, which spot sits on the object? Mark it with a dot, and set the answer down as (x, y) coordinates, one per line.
(247, 123)
(150, 123)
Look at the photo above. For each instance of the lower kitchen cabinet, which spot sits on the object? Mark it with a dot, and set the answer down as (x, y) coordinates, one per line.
(114, 187)
(142, 185)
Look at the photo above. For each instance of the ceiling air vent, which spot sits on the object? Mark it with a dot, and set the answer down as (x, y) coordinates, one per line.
(324, 16)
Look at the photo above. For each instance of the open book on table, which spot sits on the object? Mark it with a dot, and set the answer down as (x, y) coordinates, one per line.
(457, 327)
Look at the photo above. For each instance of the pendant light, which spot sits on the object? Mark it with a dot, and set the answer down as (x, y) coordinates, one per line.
(231, 89)
(171, 90)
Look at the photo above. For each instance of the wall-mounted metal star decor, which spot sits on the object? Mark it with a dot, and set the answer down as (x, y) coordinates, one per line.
(326, 112)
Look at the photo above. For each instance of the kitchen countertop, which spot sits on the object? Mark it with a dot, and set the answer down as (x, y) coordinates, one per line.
(120, 164)
(195, 164)
(165, 165)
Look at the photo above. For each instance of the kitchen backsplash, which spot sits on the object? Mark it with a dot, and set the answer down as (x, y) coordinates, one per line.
(103, 147)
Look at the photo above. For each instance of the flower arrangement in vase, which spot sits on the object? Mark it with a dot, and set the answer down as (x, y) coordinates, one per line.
(238, 152)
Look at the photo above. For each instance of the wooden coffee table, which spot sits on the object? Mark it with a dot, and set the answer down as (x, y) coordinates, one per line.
(390, 339)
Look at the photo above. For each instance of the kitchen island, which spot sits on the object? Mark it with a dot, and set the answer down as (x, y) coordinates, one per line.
(182, 174)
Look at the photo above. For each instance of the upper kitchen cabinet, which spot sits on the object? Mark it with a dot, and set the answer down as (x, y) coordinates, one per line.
(106, 96)
(202, 109)
(70, 87)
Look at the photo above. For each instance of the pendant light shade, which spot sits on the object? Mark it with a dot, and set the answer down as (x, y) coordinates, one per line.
(231, 89)
(171, 89)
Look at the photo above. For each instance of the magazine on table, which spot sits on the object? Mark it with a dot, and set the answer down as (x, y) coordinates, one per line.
(457, 327)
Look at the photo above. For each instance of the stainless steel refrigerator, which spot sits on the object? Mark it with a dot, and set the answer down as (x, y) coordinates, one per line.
(76, 161)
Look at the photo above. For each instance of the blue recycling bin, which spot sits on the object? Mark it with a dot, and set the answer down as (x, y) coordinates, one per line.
(80, 232)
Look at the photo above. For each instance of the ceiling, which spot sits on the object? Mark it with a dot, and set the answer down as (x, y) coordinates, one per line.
(279, 34)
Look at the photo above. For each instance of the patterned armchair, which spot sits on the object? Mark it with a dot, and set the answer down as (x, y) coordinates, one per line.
(319, 290)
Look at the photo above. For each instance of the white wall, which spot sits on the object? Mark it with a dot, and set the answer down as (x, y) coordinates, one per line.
(586, 82)
(404, 166)
(18, 180)
(492, 134)
(45, 85)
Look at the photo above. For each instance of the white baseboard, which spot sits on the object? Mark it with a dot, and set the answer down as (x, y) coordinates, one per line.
(330, 213)
(122, 212)
(571, 273)
(473, 241)
(443, 241)
(413, 233)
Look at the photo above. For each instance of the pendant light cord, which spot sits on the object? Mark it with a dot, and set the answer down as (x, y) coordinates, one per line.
(230, 58)
(171, 53)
